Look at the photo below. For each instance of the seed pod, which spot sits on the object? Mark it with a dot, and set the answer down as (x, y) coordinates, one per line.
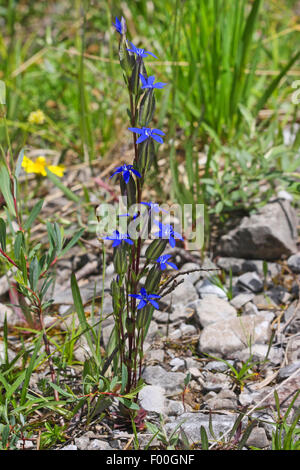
(134, 81)
(156, 248)
(129, 190)
(116, 294)
(153, 279)
(120, 259)
(141, 317)
(146, 108)
(146, 152)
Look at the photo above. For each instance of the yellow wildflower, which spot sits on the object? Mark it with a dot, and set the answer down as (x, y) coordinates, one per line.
(36, 117)
(40, 165)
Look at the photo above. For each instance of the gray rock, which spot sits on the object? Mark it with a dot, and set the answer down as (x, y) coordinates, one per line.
(192, 422)
(182, 295)
(241, 299)
(211, 309)
(258, 438)
(192, 277)
(217, 366)
(152, 398)
(294, 263)
(259, 353)
(240, 266)
(206, 287)
(250, 309)
(251, 281)
(69, 447)
(268, 234)
(224, 338)
(286, 371)
(174, 408)
(224, 400)
(11, 317)
(97, 444)
(183, 330)
(177, 364)
(82, 442)
(172, 382)
(214, 381)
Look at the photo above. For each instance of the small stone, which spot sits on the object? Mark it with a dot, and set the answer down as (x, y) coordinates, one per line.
(82, 442)
(212, 308)
(258, 438)
(206, 287)
(214, 382)
(224, 400)
(286, 371)
(250, 309)
(192, 277)
(172, 382)
(155, 355)
(182, 295)
(294, 263)
(152, 398)
(217, 366)
(97, 444)
(187, 330)
(241, 299)
(195, 373)
(69, 447)
(251, 281)
(177, 364)
(11, 317)
(174, 408)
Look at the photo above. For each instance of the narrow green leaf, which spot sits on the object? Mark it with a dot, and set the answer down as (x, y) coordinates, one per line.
(2, 234)
(67, 192)
(33, 214)
(29, 370)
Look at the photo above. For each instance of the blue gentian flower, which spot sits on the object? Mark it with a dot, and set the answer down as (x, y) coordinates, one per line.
(140, 52)
(167, 232)
(145, 298)
(153, 206)
(118, 237)
(148, 82)
(125, 170)
(147, 133)
(120, 25)
(163, 261)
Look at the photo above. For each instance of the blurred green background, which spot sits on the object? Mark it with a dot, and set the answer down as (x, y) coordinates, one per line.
(230, 110)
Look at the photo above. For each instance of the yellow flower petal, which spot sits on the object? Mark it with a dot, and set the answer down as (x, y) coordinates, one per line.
(57, 170)
(36, 117)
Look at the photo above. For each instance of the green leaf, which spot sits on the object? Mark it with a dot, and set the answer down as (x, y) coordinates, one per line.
(67, 192)
(18, 245)
(81, 316)
(19, 163)
(2, 234)
(29, 370)
(204, 438)
(5, 186)
(124, 378)
(72, 242)
(34, 273)
(33, 214)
